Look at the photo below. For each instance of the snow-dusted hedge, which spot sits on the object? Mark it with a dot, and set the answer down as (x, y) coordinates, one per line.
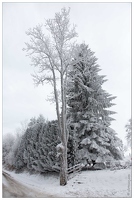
(37, 151)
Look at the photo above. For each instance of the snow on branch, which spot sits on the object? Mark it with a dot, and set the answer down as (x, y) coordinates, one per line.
(60, 149)
(41, 79)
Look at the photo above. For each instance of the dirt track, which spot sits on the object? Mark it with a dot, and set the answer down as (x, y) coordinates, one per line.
(14, 189)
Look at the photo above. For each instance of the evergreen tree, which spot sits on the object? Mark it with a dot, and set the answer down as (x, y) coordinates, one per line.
(89, 120)
(32, 122)
(19, 161)
(37, 151)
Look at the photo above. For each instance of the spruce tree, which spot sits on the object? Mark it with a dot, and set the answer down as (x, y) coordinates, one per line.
(89, 117)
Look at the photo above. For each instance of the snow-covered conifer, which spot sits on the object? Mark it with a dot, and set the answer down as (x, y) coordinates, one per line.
(89, 117)
(37, 151)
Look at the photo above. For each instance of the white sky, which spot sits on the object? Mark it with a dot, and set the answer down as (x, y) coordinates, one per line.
(105, 27)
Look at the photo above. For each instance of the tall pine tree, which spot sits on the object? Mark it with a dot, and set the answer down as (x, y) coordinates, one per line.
(89, 120)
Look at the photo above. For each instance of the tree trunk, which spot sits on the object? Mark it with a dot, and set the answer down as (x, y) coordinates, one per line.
(63, 172)
(57, 103)
(63, 156)
(63, 169)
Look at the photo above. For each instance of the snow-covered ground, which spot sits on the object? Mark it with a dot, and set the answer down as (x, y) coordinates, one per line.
(101, 183)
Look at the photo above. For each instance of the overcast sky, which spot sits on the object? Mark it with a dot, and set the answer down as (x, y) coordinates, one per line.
(105, 27)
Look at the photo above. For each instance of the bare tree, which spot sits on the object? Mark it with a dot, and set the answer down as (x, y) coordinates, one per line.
(51, 53)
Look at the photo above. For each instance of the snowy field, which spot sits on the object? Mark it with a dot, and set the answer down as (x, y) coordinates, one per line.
(101, 183)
